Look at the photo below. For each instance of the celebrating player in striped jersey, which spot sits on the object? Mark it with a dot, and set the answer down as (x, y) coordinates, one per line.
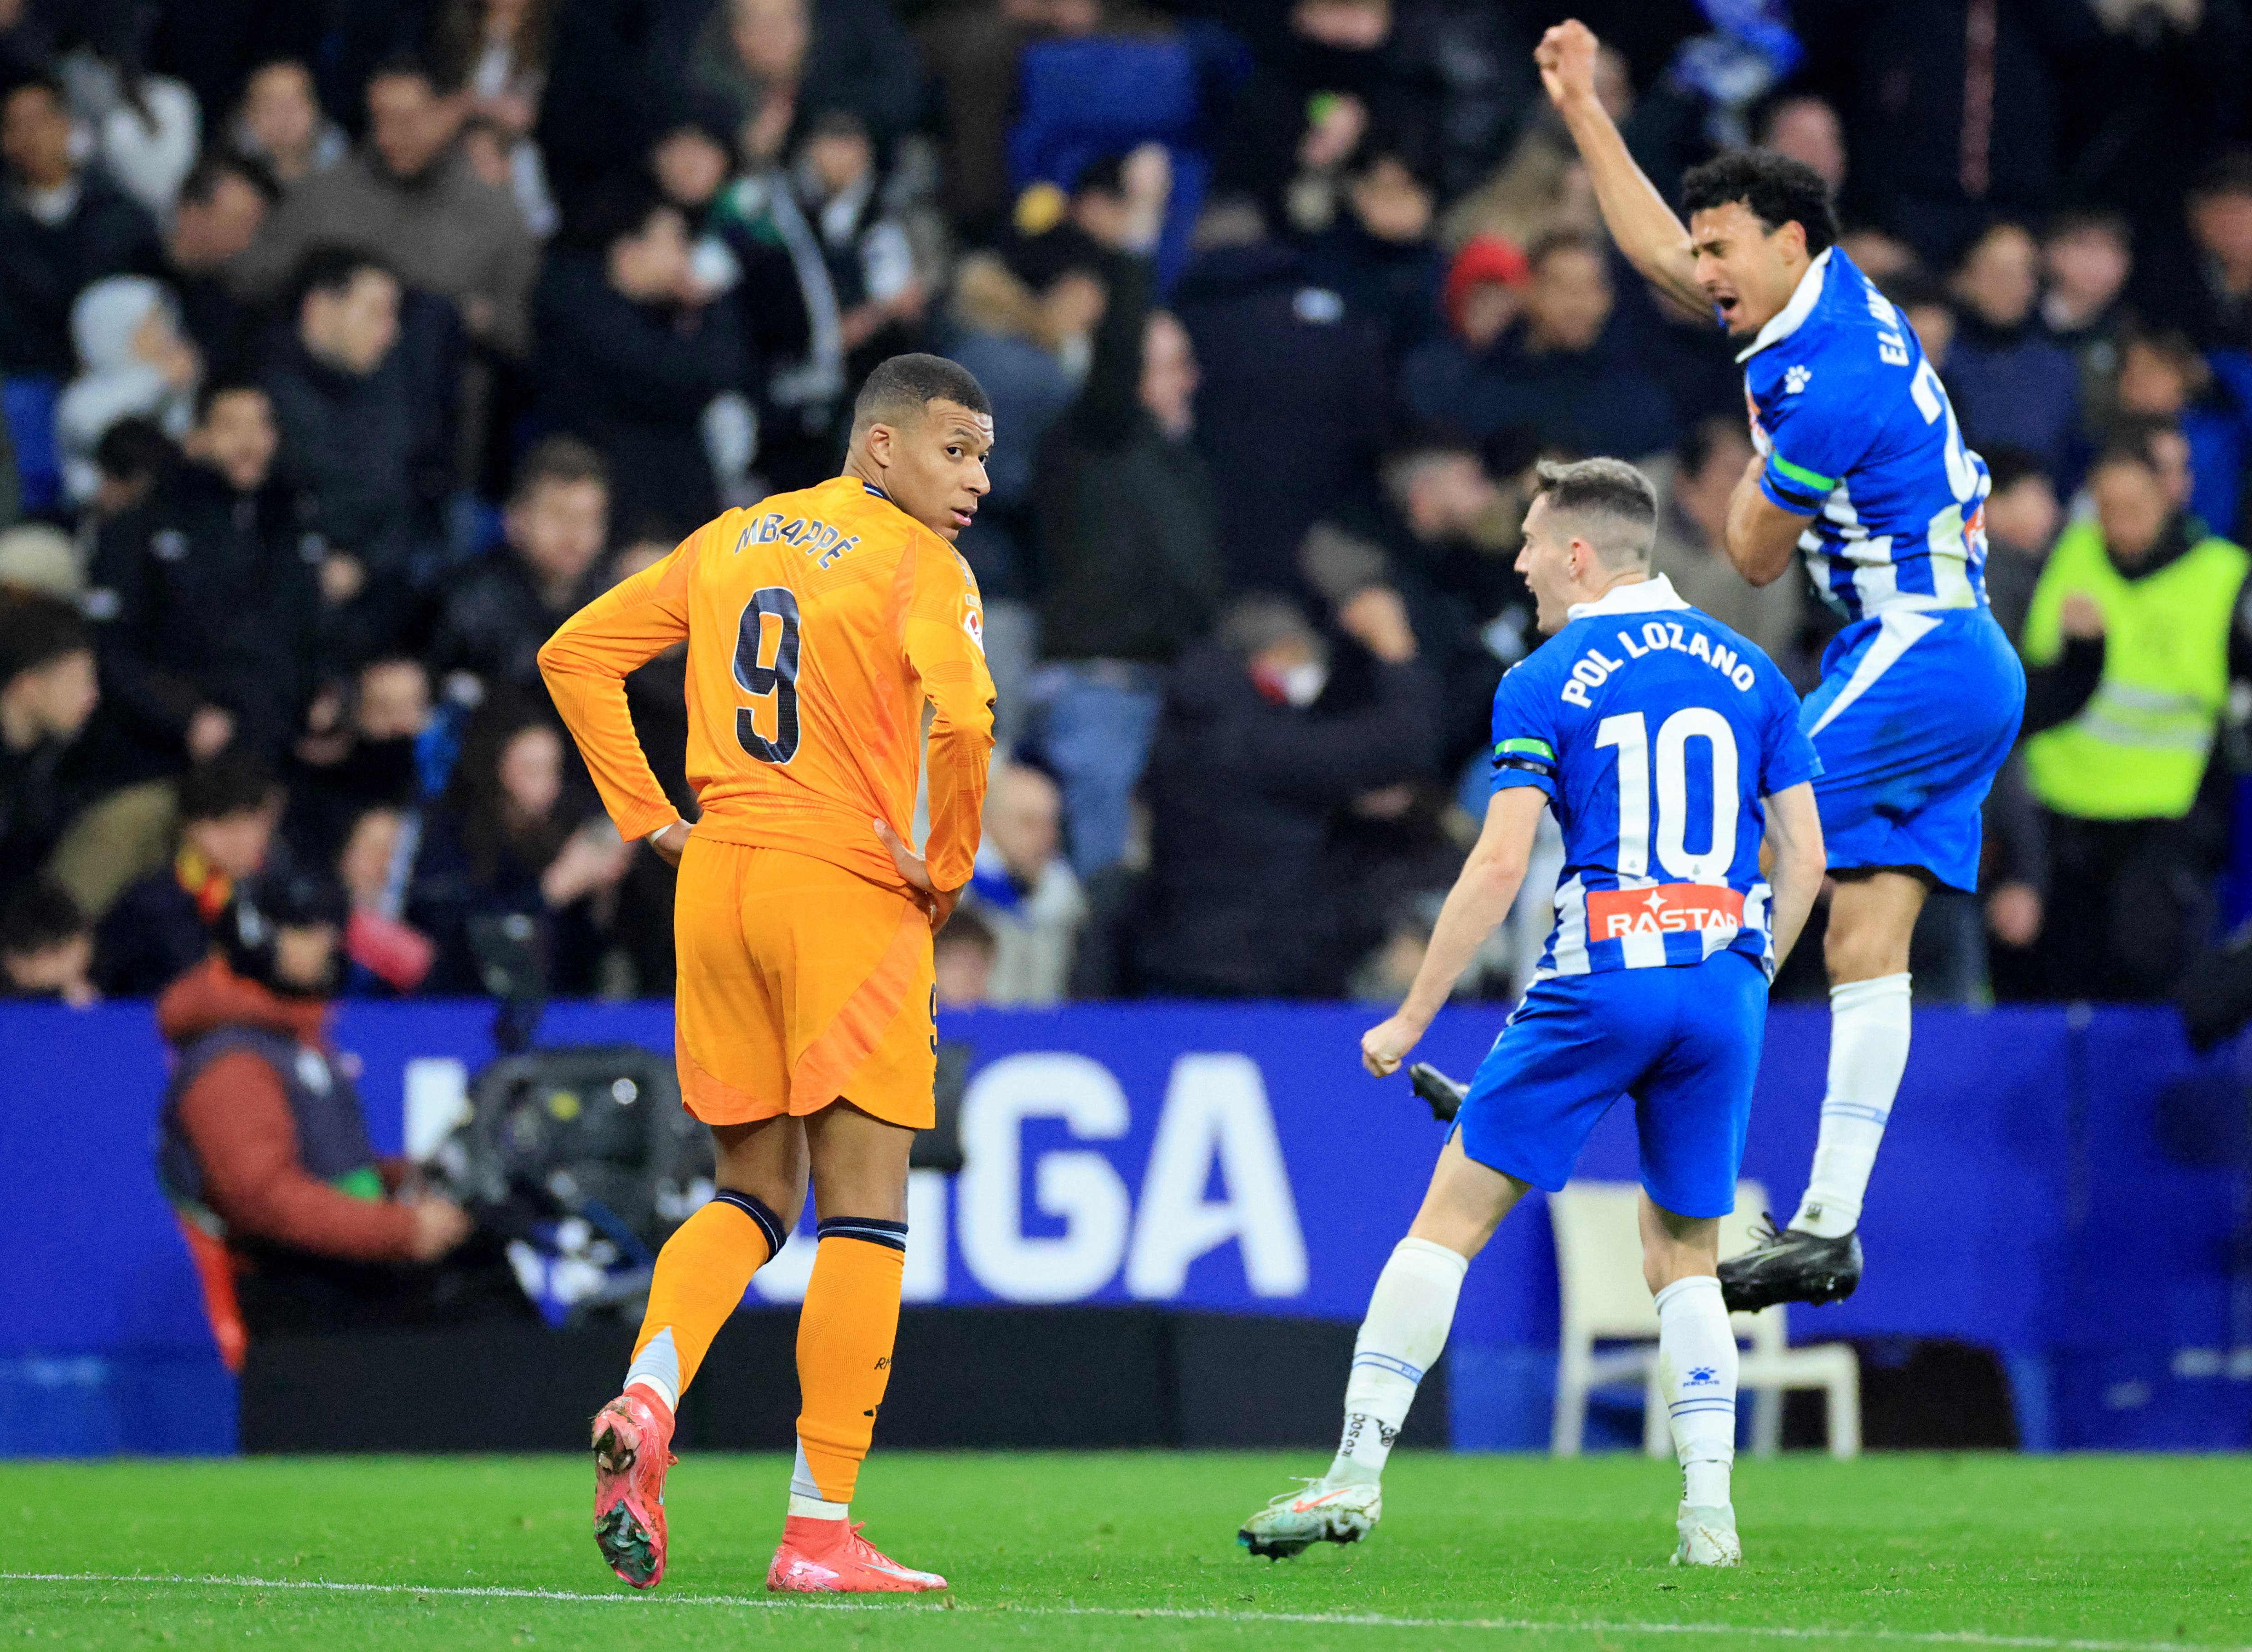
(1861, 467)
(1669, 748)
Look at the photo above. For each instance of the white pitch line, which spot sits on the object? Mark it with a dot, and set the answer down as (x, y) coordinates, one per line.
(1196, 1614)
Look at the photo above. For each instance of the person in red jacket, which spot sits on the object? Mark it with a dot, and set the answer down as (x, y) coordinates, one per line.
(263, 1149)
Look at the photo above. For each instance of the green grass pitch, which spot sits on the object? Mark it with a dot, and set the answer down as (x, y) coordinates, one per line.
(1138, 1550)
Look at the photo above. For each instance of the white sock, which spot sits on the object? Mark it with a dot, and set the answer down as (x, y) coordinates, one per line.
(1409, 1313)
(1868, 1052)
(1697, 1375)
(657, 1368)
(806, 1502)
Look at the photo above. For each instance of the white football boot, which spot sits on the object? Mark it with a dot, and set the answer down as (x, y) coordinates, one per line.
(1322, 1513)
(1708, 1535)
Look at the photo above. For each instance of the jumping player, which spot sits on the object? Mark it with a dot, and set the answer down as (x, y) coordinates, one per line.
(1668, 746)
(1860, 465)
(821, 626)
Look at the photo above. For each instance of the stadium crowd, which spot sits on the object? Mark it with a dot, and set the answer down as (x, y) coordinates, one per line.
(347, 349)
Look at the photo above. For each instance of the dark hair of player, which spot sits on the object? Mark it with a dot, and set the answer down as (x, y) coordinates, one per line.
(1613, 492)
(36, 631)
(331, 269)
(1774, 188)
(897, 391)
(234, 782)
(562, 459)
(38, 916)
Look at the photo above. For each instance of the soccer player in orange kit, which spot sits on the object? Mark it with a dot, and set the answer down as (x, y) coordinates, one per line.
(821, 627)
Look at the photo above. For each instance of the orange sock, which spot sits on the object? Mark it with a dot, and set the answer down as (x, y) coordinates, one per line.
(701, 1275)
(844, 1336)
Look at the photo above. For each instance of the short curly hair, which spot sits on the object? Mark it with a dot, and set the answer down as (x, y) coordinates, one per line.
(1774, 188)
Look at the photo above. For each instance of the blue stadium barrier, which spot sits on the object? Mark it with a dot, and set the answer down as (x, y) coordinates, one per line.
(2034, 1196)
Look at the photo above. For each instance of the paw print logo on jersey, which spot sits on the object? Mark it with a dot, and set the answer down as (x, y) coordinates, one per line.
(1794, 379)
(1701, 1377)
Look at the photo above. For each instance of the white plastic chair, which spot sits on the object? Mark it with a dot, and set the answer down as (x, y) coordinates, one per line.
(1604, 1299)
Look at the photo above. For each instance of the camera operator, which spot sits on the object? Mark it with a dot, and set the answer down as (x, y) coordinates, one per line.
(263, 1147)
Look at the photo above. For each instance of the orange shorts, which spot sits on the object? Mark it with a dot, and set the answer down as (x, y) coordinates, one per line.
(799, 982)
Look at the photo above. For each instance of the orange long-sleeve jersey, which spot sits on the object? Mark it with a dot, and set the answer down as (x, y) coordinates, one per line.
(819, 624)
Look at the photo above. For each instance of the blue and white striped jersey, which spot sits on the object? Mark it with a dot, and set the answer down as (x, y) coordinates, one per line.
(1857, 429)
(1655, 730)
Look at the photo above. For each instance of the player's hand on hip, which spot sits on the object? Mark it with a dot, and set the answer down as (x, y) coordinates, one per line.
(671, 842)
(1566, 58)
(1384, 1046)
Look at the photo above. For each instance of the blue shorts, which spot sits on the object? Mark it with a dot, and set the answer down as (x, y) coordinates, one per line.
(1915, 716)
(1684, 1041)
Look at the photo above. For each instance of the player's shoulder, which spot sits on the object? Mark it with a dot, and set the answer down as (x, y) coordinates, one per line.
(1846, 338)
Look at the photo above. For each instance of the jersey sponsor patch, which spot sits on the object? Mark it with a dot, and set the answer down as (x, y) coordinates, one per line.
(973, 622)
(1667, 909)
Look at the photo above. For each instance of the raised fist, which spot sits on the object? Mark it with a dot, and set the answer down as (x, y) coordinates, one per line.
(1566, 58)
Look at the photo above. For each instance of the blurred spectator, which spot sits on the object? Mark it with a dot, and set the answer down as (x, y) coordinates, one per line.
(358, 425)
(222, 206)
(1024, 889)
(146, 127)
(1245, 779)
(828, 288)
(282, 124)
(1484, 290)
(1015, 339)
(2163, 377)
(208, 600)
(962, 958)
(367, 742)
(1266, 337)
(503, 841)
(48, 689)
(497, 50)
(1337, 68)
(1806, 128)
(2086, 257)
(1923, 302)
(630, 358)
(2121, 781)
(504, 607)
(971, 52)
(161, 927)
(46, 945)
(62, 227)
(1131, 568)
(1379, 256)
(2218, 306)
(409, 196)
(1960, 98)
(773, 62)
(2022, 514)
(38, 559)
(1692, 511)
(2010, 383)
(134, 363)
(130, 459)
(382, 954)
(262, 1146)
(1561, 373)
